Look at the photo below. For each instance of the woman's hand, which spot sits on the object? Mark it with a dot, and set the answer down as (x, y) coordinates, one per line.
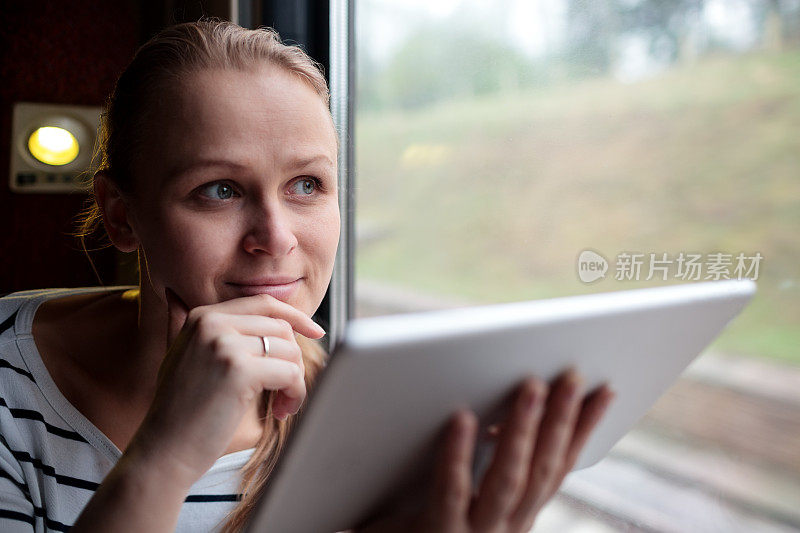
(212, 374)
(536, 448)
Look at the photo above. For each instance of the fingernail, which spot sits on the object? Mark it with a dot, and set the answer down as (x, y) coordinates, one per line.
(462, 423)
(529, 399)
(574, 382)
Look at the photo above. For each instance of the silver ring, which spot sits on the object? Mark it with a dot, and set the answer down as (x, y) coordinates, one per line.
(265, 342)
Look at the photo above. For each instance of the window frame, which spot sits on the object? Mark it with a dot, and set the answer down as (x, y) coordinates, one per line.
(325, 30)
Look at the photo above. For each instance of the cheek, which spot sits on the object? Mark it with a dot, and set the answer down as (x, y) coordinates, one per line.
(325, 236)
(319, 241)
(185, 253)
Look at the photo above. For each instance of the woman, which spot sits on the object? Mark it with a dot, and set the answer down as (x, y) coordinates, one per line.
(153, 408)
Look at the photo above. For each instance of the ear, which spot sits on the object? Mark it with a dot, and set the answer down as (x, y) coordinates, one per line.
(116, 213)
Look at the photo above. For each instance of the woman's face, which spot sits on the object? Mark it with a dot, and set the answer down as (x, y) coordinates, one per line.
(236, 190)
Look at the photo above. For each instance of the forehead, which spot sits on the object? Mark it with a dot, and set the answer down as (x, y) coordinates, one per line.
(260, 115)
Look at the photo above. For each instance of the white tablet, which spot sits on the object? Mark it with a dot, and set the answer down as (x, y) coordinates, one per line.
(371, 428)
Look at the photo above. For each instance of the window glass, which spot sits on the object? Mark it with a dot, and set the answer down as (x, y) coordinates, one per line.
(497, 141)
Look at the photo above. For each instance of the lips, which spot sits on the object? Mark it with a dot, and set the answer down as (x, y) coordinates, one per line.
(281, 288)
(269, 280)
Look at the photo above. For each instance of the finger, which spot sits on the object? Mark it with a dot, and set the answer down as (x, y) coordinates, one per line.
(283, 405)
(554, 435)
(256, 369)
(592, 411)
(277, 331)
(278, 347)
(177, 312)
(279, 403)
(507, 476)
(290, 404)
(452, 483)
(259, 325)
(281, 340)
(266, 305)
(277, 374)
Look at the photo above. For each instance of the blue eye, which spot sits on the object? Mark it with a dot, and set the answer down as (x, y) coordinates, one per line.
(305, 186)
(222, 191)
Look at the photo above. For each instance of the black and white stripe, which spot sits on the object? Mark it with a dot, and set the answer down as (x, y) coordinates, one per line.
(52, 463)
(29, 414)
(8, 322)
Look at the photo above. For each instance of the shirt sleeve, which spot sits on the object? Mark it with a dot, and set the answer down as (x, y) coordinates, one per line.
(17, 512)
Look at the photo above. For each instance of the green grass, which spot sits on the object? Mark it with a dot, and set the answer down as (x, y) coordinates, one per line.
(491, 199)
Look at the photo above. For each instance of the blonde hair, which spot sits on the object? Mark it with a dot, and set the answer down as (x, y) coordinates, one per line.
(171, 54)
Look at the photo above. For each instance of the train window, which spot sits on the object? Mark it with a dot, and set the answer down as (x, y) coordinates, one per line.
(500, 145)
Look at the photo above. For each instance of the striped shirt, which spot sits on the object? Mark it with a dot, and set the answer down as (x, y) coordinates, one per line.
(52, 458)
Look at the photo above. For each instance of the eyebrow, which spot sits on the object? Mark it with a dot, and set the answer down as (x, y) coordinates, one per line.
(179, 171)
(298, 162)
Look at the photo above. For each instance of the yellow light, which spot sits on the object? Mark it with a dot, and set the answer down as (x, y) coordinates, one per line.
(53, 146)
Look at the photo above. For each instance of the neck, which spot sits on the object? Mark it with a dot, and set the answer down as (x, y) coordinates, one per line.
(150, 345)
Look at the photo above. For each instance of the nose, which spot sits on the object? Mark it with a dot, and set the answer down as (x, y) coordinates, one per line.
(271, 231)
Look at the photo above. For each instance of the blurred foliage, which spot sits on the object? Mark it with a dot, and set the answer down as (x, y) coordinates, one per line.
(482, 172)
(492, 198)
(461, 56)
(432, 66)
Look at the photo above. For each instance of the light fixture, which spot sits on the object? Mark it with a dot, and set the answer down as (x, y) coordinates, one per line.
(51, 146)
